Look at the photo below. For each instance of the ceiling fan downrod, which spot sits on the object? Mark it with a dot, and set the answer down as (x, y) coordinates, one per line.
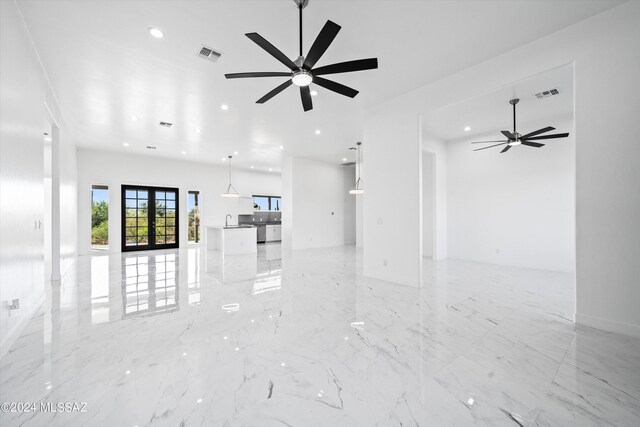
(301, 4)
(514, 102)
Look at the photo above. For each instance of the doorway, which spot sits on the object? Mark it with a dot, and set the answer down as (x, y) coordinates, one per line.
(149, 218)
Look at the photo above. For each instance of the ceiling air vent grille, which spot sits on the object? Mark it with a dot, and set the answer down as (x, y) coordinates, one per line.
(210, 54)
(165, 124)
(151, 147)
(547, 93)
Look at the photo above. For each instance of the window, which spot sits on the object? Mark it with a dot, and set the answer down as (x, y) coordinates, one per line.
(267, 203)
(193, 208)
(99, 217)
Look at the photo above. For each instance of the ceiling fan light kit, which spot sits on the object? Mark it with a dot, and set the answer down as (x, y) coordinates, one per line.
(302, 73)
(514, 138)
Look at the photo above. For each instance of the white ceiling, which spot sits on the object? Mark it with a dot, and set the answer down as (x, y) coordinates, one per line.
(105, 67)
(491, 113)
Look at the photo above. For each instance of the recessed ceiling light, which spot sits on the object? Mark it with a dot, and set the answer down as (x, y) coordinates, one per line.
(235, 153)
(184, 152)
(196, 130)
(156, 32)
(317, 131)
(224, 107)
(126, 144)
(134, 118)
(251, 167)
(344, 159)
(467, 128)
(47, 138)
(282, 147)
(270, 170)
(314, 92)
(224, 158)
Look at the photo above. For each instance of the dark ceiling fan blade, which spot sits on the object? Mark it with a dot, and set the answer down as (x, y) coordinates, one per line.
(553, 136)
(486, 142)
(321, 43)
(257, 74)
(305, 94)
(336, 87)
(347, 67)
(274, 92)
(508, 134)
(532, 144)
(272, 50)
(505, 149)
(491, 146)
(538, 132)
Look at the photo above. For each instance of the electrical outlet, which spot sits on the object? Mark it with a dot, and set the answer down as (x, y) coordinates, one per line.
(498, 251)
(380, 220)
(384, 262)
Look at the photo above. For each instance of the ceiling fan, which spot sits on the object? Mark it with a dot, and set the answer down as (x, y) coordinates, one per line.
(514, 138)
(301, 72)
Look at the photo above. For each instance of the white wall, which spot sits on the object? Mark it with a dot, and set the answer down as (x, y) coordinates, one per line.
(516, 208)
(605, 51)
(68, 194)
(115, 169)
(318, 211)
(428, 204)
(24, 92)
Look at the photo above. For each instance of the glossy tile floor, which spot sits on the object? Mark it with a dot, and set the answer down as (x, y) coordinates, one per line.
(175, 338)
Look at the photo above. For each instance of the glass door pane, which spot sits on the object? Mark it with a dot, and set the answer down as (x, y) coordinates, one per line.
(150, 218)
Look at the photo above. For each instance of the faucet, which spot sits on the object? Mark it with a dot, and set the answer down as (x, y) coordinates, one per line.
(226, 219)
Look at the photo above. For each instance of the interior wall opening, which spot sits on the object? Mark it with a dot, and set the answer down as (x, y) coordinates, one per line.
(511, 207)
(428, 205)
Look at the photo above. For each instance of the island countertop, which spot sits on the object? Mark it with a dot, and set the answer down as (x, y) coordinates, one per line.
(230, 227)
(232, 240)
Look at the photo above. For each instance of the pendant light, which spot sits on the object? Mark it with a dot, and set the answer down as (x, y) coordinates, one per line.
(231, 192)
(359, 182)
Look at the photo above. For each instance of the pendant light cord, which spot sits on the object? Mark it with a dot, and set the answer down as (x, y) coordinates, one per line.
(358, 168)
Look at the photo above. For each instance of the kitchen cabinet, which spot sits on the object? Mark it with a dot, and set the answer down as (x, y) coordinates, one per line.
(274, 233)
(245, 206)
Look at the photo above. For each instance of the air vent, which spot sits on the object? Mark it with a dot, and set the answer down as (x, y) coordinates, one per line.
(547, 93)
(165, 124)
(348, 163)
(210, 54)
(151, 147)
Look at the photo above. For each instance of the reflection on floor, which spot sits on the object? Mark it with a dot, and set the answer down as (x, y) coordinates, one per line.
(190, 338)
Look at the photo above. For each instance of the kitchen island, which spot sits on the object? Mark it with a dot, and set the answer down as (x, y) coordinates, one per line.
(232, 240)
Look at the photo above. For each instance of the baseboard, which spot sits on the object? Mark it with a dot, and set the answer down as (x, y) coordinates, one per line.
(608, 325)
(11, 338)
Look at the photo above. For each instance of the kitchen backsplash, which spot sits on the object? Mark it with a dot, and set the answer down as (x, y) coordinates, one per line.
(260, 217)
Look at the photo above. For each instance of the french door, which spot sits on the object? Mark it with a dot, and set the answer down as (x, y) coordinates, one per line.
(149, 218)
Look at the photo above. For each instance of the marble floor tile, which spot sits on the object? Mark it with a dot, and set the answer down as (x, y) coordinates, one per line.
(191, 338)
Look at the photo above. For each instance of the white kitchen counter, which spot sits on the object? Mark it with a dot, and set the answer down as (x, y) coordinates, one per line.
(232, 241)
